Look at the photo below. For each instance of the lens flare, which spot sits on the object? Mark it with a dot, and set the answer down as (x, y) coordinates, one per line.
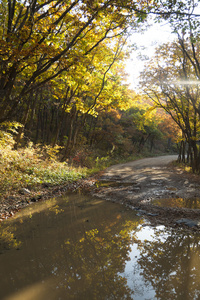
(184, 82)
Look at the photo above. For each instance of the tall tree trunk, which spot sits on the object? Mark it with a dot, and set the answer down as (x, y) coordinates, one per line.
(21, 129)
(77, 129)
(92, 134)
(67, 149)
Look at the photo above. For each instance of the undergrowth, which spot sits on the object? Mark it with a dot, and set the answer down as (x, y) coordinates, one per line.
(32, 166)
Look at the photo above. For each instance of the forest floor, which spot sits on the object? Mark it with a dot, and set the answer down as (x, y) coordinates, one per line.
(142, 185)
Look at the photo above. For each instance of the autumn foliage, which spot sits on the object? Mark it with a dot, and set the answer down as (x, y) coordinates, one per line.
(63, 94)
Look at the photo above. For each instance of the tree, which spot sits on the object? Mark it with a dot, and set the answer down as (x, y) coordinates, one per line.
(41, 40)
(170, 80)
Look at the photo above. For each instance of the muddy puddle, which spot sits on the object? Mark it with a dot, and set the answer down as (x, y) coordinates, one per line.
(76, 247)
(178, 202)
(105, 183)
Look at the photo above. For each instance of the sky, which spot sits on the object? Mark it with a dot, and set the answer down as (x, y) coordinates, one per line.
(147, 42)
(156, 35)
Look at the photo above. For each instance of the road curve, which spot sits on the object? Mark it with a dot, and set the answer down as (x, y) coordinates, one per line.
(144, 163)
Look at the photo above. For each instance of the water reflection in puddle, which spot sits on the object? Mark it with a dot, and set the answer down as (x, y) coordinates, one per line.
(164, 264)
(193, 203)
(81, 248)
(106, 183)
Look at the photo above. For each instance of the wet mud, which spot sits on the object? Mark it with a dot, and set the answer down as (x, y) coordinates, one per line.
(162, 193)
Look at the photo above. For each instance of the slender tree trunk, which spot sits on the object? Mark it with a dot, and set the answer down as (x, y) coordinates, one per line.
(38, 124)
(92, 134)
(77, 129)
(71, 127)
(183, 151)
(21, 129)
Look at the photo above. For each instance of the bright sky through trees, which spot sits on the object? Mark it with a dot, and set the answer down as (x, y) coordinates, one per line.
(146, 43)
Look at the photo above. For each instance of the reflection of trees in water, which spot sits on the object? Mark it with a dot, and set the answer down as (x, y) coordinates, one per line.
(172, 265)
(7, 238)
(192, 203)
(94, 263)
(179, 202)
(91, 266)
(71, 257)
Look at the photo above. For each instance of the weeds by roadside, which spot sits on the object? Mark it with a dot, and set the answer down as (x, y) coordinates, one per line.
(32, 166)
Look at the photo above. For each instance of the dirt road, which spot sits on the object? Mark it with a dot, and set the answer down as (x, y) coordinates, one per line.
(141, 183)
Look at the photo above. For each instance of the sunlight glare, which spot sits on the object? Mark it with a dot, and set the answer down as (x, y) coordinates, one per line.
(186, 82)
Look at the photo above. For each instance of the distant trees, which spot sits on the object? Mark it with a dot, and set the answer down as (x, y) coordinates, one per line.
(134, 130)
